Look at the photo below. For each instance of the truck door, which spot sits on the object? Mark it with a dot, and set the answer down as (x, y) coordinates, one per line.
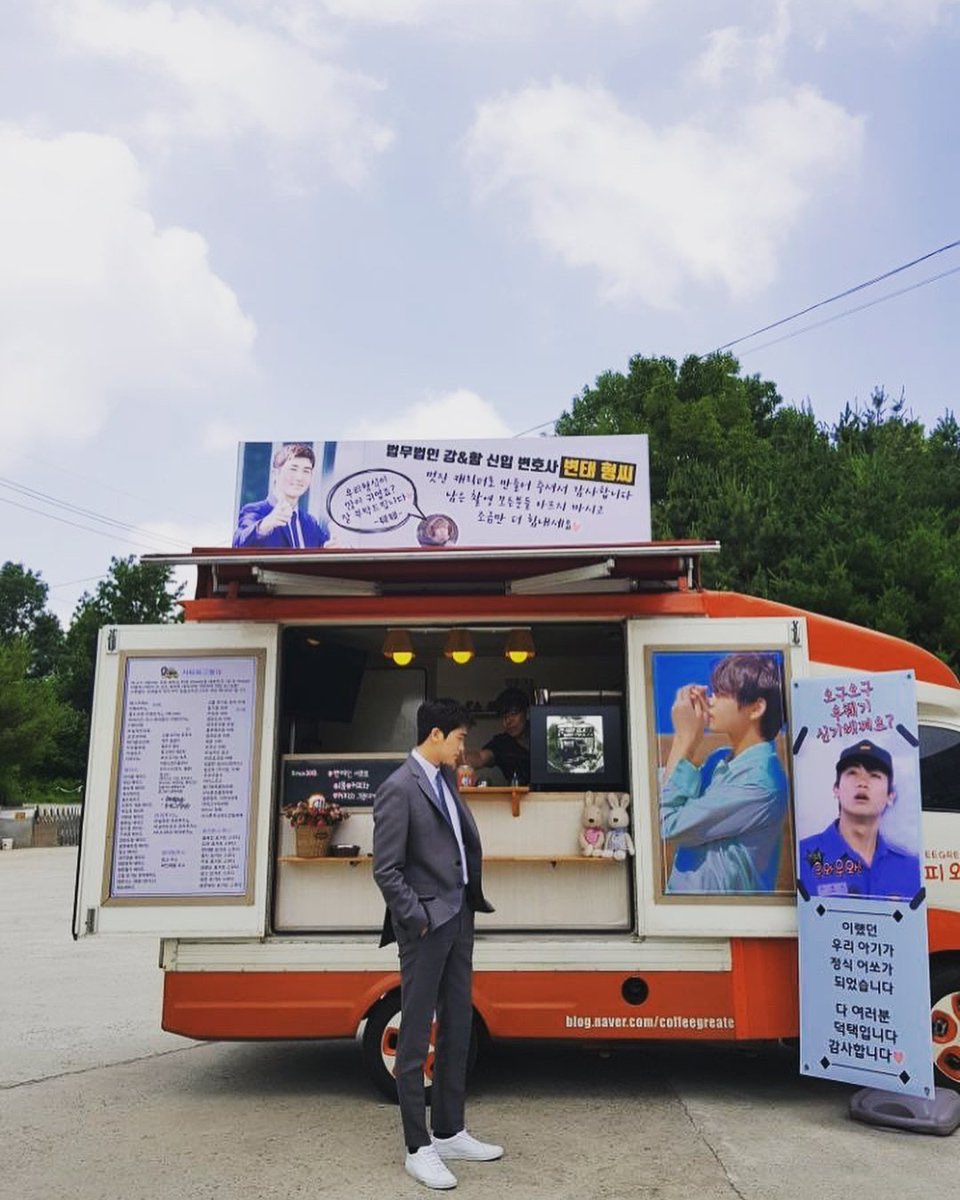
(714, 844)
(177, 803)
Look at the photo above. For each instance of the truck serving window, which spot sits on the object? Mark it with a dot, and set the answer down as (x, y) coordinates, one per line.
(940, 768)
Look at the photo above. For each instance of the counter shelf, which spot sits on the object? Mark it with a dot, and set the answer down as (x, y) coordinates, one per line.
(330, 859)
(513, 794)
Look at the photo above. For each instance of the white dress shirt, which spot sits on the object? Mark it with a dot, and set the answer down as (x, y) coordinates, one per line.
(435, 775)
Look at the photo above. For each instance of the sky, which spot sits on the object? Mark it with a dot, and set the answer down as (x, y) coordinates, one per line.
(327, 219)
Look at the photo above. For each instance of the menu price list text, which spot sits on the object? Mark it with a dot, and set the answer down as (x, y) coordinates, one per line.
(185, 777)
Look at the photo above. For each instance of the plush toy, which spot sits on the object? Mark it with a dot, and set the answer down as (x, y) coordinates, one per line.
(591, 835)
(619, 843)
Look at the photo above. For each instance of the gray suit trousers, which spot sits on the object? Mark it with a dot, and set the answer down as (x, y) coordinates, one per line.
(435, 976)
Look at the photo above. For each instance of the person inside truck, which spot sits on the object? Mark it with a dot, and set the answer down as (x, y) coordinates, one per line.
(725, 817)
(277, 521)
(851, 857)
(508, 750)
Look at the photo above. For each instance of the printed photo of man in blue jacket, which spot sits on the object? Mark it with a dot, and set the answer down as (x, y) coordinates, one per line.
(724, 812)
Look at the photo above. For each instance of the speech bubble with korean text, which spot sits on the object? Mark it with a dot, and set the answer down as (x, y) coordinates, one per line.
(373, 501)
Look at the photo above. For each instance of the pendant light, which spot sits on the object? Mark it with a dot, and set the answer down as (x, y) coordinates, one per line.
(397, 645)
(519, 646)
(459, 646)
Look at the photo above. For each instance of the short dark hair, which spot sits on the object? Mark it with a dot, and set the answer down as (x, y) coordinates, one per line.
(293, 450)
(749, 678)
(443, 714)
(510, 700)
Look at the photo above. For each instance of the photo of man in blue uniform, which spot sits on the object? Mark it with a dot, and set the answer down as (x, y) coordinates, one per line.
(725, 817)
(851, 857)
(278, 521)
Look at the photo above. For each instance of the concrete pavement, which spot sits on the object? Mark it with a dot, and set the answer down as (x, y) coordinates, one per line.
(97, 1103)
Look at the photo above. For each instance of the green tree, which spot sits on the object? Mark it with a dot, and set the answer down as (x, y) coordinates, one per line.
(885, 544)
(860, 521)
(32, 720)
(23, 614)
(132, 593)
(713, 450)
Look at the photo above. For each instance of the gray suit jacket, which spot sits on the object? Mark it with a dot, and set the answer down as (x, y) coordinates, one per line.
(416, 859)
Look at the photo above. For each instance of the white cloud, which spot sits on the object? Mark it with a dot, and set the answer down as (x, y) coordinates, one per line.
(460, 413)
(904, 12)
(220, 436)
(649, 209)
(227, 79)
(900, 22)
(502, 18)
(730, 51)
(99, 306)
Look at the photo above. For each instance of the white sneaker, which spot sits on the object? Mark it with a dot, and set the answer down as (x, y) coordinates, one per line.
(466, 1147)
(426, 1166)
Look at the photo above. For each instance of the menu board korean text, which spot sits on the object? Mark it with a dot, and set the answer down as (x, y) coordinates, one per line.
(184, 783)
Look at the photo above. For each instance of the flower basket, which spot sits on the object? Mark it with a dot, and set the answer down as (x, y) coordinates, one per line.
(314, 821)
(313, 841)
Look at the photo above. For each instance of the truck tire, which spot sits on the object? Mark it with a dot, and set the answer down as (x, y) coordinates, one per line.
(379, 1046)
(945, 1023)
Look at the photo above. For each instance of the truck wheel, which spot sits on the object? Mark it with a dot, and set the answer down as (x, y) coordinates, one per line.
(945, 1024)
(379, 1046)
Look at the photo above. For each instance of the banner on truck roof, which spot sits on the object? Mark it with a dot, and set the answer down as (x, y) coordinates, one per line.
(413, 494)
(861, 907)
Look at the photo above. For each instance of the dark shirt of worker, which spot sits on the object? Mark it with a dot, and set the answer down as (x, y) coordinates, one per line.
(509, 750)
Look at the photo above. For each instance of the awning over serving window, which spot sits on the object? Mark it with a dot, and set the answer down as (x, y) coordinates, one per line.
(646, 566)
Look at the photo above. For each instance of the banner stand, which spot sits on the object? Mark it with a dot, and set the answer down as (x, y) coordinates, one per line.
(939, 1115)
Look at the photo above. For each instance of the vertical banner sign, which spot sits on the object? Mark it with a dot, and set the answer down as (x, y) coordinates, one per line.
(861, 907)
(184, 785)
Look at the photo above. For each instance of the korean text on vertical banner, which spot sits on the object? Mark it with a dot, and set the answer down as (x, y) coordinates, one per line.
(861, 907)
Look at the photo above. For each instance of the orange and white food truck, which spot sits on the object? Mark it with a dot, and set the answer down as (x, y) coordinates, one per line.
(285, 681)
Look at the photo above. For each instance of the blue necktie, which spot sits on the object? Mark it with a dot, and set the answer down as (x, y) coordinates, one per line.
(295, 529)
(438, 788)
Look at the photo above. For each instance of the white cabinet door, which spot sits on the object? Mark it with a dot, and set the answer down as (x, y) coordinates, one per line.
(178, 805)
(714, 852)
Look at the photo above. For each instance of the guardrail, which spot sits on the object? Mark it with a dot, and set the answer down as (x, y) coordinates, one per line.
(57, 825)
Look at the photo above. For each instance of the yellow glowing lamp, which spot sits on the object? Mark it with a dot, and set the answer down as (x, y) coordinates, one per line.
(397, 646)
(519, 646)
(459, 646)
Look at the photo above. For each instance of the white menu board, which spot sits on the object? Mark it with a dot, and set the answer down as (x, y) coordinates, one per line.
(184, 783)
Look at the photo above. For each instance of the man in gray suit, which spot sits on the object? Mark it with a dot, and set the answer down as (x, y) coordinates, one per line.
(427, 863)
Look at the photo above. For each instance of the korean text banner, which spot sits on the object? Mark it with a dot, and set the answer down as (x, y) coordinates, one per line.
(861, 911)
(413, 494)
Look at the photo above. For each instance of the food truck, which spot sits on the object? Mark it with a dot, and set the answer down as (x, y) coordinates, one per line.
(297, 673)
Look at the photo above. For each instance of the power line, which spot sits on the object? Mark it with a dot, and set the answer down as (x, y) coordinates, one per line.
(534, 428)
(839, 296)
(79, 511)
(850, 291)
(76, 525)
(849, 311)
(74, 582)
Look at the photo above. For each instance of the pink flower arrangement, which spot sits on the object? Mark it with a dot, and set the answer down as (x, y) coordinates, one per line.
(315, 811)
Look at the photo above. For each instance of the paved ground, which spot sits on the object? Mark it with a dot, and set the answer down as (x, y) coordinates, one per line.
(96, 1103)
